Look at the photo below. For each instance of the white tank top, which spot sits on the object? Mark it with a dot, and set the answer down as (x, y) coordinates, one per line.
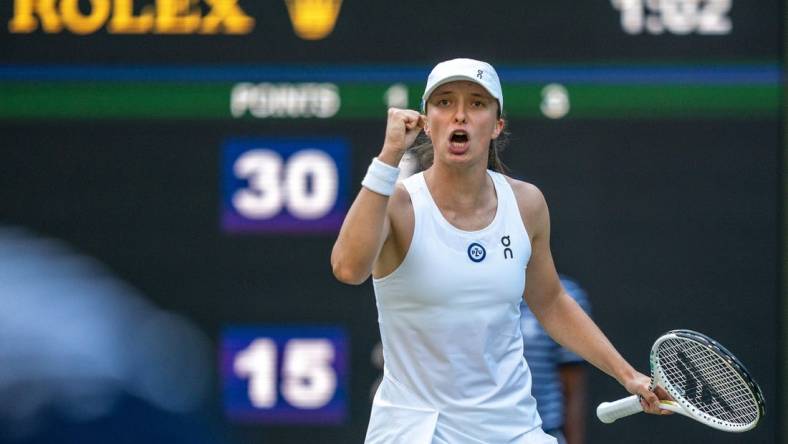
(449, 320)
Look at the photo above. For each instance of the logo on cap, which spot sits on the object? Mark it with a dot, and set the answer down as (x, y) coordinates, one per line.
(479, 73)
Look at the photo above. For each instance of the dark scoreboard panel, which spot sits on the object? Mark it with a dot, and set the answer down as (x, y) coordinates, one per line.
(206, 151)
(667, 224)
(242, 31)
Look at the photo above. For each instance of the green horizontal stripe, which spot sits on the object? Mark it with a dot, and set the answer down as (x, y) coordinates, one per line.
(122, 100)
(676, 100)
(78, 100)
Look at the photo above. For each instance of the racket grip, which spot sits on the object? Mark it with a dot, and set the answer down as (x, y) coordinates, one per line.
(608, 412)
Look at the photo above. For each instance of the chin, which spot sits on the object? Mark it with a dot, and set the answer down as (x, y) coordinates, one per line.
(466, 159)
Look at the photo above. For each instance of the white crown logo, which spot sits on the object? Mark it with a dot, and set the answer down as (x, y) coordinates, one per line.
(313, 19)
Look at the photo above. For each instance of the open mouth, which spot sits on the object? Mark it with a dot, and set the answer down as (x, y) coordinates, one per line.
(459, 137)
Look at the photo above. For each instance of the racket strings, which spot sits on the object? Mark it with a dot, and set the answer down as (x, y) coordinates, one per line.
(711, 385)
(704, 379)
(708, 383)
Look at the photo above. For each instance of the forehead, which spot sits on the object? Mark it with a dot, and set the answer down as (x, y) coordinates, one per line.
(461, 87)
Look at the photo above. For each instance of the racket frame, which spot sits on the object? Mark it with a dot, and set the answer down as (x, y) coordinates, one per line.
(610, 411)
(682, 405)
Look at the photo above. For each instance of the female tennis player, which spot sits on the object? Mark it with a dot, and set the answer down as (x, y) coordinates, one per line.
(452, 251)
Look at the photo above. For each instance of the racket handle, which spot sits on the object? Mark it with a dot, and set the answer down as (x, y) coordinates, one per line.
(608, 412)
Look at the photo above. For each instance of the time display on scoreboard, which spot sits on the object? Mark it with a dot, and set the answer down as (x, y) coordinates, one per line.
(704, 17)
(285, 374)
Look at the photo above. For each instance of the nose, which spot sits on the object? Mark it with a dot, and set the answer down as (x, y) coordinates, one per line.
(459, 114)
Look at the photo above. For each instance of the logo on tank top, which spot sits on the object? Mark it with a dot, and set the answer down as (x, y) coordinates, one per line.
(476, 252)
(507, 252)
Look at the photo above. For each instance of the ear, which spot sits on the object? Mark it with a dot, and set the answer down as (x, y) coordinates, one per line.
(499, 125)
(426, 126)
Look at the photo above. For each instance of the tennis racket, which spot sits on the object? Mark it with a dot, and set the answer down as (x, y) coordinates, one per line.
(707, 383)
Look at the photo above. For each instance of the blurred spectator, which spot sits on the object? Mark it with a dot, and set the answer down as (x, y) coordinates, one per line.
(85, 358)
(559, 376)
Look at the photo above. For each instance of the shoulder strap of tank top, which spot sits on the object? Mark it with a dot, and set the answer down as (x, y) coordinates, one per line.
(507, 198)
(502, 187)
(414, 184)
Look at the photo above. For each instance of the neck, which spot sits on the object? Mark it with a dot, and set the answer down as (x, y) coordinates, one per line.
(458, 187)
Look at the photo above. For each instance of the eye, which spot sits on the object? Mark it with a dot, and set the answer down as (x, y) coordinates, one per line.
(443, 102)
(478, 104)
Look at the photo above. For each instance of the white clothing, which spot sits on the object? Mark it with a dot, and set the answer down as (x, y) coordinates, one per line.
(449, 319)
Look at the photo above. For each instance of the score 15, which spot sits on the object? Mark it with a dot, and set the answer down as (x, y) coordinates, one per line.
(285, 374)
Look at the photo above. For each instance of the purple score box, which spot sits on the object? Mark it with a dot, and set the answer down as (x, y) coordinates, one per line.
(286, 175)
(285, 374)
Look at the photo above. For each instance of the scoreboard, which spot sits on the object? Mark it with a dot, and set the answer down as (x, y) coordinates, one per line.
(238, 31)
(208, 150)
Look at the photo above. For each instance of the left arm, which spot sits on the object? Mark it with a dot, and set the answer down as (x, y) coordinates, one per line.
(559, 314)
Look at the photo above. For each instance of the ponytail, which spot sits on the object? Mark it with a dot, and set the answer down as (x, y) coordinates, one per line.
(494, 158)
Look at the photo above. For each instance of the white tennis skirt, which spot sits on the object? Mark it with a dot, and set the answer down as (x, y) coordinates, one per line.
(400, 417)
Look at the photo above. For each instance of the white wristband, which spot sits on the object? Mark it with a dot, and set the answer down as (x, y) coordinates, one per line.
(381, 178)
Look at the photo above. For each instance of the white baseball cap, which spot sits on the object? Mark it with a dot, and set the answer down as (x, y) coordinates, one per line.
(464, 69)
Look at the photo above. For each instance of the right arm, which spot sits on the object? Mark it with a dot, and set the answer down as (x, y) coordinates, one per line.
(367, 225)
(563, 318)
